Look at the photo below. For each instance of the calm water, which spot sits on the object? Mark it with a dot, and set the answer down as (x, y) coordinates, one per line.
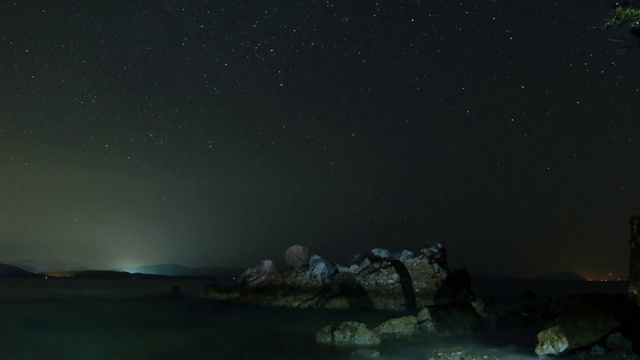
(133, 319)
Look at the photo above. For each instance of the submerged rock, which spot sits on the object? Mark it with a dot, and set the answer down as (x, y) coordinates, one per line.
(347, 333)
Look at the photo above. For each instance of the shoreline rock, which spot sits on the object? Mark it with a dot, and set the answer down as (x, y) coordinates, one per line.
(377, 281)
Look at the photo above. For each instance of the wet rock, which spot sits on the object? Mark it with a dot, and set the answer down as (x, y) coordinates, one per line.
(366, 354)
(297, 257)
(634, 260)
(582, 325)
(347, 333)
(398, 327)
(460, 353)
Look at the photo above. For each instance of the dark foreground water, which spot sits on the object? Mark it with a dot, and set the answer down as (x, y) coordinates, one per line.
(133, 319)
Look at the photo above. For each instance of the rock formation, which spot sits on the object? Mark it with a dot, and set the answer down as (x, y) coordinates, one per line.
(379, 280)
(634, 260)
(581, 326)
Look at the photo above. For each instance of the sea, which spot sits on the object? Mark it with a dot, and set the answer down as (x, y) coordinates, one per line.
(105, 319)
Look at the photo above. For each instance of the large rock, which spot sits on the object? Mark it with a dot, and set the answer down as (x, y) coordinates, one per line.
(634, 260)
(398, 327)
(297, 257)
(581, 326)
(347, 333)
(397, 283)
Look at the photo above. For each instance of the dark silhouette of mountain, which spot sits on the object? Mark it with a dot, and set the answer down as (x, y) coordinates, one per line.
(181, 270)
(16, 272)
(561, 276)
(110, 274)
(40, 265)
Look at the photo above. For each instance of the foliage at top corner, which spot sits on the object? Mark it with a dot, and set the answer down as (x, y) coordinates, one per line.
(624, 14)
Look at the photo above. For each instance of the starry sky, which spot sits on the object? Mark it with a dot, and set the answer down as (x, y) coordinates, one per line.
(218, 133)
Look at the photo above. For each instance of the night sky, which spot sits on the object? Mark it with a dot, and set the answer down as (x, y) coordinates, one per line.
(218, 133)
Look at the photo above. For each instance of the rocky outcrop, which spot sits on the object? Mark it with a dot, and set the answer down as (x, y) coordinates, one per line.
(378, 280)
(347, 333)
(634, 260)
(581, 326)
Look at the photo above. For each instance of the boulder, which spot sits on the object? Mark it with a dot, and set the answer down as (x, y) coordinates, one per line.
(398, 327)
(320, 268)
(347, 333)
(634, 260)
(581, 326)
(297, 257)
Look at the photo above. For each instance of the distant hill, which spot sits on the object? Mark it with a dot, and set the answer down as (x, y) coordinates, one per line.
(40, 265)
(108, 274)
(181, 270)
(15, 272)
(561, 276)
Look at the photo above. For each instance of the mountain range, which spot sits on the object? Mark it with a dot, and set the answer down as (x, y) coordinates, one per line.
(150, 271)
